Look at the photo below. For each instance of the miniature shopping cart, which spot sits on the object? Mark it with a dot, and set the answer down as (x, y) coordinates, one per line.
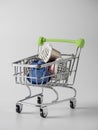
(37, 71)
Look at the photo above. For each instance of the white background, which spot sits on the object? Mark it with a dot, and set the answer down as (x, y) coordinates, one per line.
(21, 23)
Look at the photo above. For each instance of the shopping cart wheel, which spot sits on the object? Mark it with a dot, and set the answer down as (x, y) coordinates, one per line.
(39, 99)
(19, 107)
(73, 103)
(43, 112)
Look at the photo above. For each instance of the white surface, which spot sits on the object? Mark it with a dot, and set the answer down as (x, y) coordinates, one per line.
(84, 117)
(21, 23)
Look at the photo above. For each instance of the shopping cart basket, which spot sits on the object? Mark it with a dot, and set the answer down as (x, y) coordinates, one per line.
(33, 71)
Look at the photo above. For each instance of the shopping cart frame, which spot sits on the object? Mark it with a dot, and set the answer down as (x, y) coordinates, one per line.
(72, 60)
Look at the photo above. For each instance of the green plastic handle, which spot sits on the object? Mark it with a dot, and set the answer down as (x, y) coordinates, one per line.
(79, 43)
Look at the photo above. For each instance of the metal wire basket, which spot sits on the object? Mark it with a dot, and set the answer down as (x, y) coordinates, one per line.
(33, 71)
